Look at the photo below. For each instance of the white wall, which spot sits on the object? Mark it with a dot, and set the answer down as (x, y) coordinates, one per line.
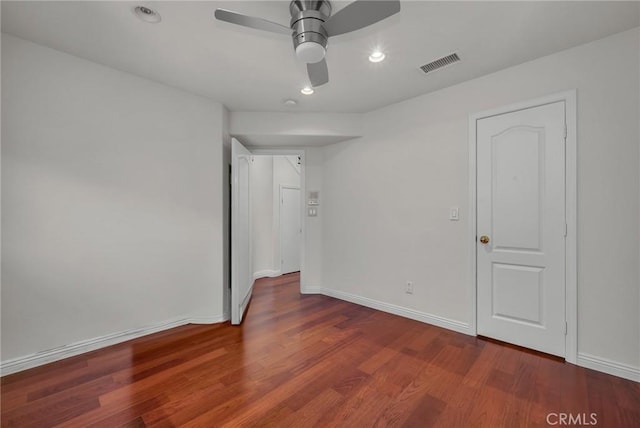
(262, 215)
(272, 129)
(112, 201)
(386, 196)
(314, 170)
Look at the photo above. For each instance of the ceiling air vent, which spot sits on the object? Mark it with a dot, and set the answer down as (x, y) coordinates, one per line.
(440, 63)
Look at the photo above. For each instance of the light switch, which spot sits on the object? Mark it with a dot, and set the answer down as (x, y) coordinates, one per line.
(453, 214)
(312, 212)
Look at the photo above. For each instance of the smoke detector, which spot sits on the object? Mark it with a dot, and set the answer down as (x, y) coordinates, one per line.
(147, 14)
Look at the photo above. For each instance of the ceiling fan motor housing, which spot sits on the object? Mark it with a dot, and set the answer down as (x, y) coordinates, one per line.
(309, 36)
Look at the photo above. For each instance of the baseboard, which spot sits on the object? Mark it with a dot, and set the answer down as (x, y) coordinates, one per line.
(608, 366)
(584, 360)
(424, 317)
(266, 273)
(311, 290)
(208, 320)
(40, 358)
(245, 302)
(44, 357)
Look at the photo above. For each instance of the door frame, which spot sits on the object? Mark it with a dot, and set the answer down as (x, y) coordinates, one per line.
(571, 191)
(303, 199)
(282, 187)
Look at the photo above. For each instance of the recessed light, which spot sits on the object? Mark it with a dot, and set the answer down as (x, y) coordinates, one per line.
(290, 103)
(377, 56)
(147, 14)
(307, 90)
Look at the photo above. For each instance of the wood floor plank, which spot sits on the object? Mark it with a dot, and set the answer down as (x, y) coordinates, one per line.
(312, 361)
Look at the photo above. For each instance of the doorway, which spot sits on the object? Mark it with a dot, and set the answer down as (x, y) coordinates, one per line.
(277, 223)
(267, 227)
(522, 223)
(290, 229)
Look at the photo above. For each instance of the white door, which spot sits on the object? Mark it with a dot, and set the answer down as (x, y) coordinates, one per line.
(290, 229)
(241, 264)
(521, 227)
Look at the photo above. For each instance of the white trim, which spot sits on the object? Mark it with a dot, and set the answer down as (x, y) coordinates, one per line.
(311, 290)
(473, 233)
(584, 360)
(266, 273)
(608, 366)
(245, 302)
(424, 317)
(50, 355)
(303, 199)
(571, 267)
(292, 164)
(571, 218)
(276, 152)
(208, 320)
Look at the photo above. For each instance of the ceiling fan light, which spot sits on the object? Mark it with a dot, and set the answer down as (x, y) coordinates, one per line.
(310, 52)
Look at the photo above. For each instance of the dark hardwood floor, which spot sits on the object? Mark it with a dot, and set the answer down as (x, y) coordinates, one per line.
(302, 361)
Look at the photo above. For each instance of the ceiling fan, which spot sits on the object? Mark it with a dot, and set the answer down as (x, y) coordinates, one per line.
(312, 24)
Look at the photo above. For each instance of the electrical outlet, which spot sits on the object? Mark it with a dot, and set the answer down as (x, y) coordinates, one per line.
(409, 288)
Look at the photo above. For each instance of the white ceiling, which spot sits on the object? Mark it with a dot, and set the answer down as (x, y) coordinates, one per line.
(251, 70)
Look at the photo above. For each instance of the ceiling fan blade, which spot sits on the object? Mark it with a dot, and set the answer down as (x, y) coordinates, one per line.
(251, 22)
(360, 14)
(318, 73)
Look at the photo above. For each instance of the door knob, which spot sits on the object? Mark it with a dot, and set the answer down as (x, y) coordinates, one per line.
(484, 239)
